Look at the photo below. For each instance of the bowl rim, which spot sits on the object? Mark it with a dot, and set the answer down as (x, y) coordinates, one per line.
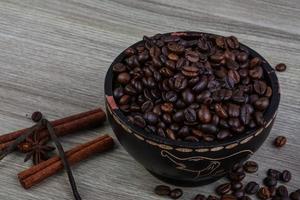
(269, 114)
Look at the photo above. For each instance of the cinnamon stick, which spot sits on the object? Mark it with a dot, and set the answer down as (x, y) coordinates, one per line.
(62, 126)
(38, 173)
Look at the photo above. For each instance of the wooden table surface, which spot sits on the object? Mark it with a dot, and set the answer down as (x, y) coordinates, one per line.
(54, 55)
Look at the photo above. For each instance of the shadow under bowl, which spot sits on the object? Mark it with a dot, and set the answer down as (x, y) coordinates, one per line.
(187, 163)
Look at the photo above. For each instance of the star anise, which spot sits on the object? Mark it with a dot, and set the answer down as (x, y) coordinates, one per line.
(36, 148)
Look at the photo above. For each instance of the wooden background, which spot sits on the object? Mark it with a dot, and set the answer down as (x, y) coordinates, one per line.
(54, 55)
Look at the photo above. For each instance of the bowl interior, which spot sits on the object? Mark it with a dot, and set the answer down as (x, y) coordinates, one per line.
(270, 77)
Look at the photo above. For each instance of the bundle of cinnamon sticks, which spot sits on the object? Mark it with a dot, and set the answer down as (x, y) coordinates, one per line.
(64, 126)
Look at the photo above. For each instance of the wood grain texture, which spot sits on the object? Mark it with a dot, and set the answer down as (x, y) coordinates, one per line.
(54, 55)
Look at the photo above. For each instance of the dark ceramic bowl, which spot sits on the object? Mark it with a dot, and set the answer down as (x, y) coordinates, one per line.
(187, 163)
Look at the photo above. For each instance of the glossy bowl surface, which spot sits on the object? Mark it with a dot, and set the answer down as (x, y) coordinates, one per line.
(187, 163)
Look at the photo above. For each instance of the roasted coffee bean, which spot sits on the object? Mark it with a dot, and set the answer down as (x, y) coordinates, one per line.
(208, 137)
(270, 181)
(170, 134)
(166, 117)
(239, 193)
(191, 139)
(209, 128)
(251, 188)
(246, 112)
(162, 190)
(212, 197)
(259, 119)
(255, 62)
(190, 115)
(167, 107)
(124, 100)
(147, 106)
(272, 190)
(221, 112)
(268, 92)
(198, 133)
(183, 131)
(234, 75)
(223, 134)
(204, 114)
(200, 197)
(118, 92)
(190, 71)
(280, 141)
(237, 176)
(286, 176)
(192, 56)
(236, 185)
(151, 118)
(256, 73)
(200, 86)
(176, 193)
(119, 67)
(36, 116)
(260, 87)
(233, 110)
(223, 189)
(295, 196)
(161, 132)
(139, 121)
(228, 197)
(264, 193)
(281, 67)
(123, 78)
(178, 116)
(232, 42)
(251, 167)
(282, 191)
(187, 96)
(274, 173)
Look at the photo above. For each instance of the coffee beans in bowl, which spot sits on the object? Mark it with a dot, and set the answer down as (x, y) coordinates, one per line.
(190, 105)
(174, 87)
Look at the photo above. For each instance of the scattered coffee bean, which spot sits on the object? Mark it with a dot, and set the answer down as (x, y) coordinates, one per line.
(239, 193)
(236, 185)
(286, 176)
(200, 197)
(274, 173)
(223, 189)
(228, 197)
(252, 188)
(162, 190)
(176, 193)
(237, 176)
(212, 197)
(280, 141)
(36, 116)
(270, 181)
(281, 67)
(251, 167)
(264, 193)
(282, 191)
(295, 196)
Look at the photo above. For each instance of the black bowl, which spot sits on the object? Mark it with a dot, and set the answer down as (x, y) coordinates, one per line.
(187, 163)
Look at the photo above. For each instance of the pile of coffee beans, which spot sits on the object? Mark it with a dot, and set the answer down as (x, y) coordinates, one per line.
(235, 189)
(192, 88)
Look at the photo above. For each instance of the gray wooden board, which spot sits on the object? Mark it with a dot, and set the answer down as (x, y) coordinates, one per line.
(54, 55)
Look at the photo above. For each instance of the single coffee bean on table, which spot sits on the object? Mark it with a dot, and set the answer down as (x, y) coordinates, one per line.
(200, 197)
(281, 67)
(162, 190)
(36, 116)
(282, 191)
(270, 181)
(173, 85)
(286, 176)
(223, 189)
(280, 141)
(251, 167)
(274, 173)
(252, 187)
(264, 193)
(176, 193)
